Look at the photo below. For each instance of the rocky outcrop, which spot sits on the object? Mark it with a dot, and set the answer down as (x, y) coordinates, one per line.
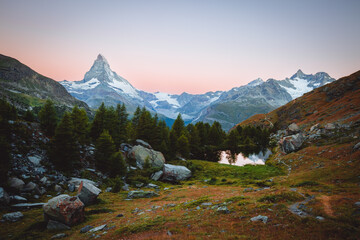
(141, 154)
(65, 209)
(77, 181)
(173, 173)
(292, 143)
(88, 193)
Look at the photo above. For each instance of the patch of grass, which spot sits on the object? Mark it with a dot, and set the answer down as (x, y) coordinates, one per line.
(216, 170)
(306, 184)
(197, 202)
(287, 196)
(137, 227)
(235, 199)
(98, 211)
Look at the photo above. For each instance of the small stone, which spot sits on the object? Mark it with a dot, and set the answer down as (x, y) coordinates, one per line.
(99, 228)
(169, 233)
(206, 204)
(357, 204)
(13, 217)
(264, 219)
(109, 189)
(320, 218)
(86, 229)
(198, 208)
(58, 236)
(223, 209)
(120, 215)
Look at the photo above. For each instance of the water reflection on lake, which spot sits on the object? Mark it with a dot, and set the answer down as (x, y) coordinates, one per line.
(240, 160)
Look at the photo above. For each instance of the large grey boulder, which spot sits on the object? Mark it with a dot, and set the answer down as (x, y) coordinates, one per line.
(292, 143)
(141, 194)
(16, 183)
(65, 209)
(4, 197)
(88, 193)
(13, 217)
(141, 154)
(173, 173)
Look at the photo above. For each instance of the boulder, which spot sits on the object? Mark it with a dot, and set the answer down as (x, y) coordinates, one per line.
(58, 188)
(157, 175)
(13, 217)
(88, 193)
(16, 183)
(293, 128)
(141, 194)
(65, 209)
(59, 235)
(55, 225)
(173, 173)
(291, 143)
(143, 143)
(141, 154)
(4, 197)
(86, 229)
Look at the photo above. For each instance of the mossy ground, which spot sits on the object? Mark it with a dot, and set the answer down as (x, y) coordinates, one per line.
(189, 219)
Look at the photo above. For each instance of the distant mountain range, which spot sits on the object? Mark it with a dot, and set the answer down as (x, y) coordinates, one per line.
(25, 88)
(101, 84)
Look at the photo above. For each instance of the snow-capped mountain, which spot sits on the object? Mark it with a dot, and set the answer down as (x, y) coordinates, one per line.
(101, 84)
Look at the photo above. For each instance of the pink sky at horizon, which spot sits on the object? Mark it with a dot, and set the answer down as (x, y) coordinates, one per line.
(183, 46)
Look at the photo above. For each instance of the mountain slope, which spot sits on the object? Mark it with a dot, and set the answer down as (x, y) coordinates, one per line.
(24, 87)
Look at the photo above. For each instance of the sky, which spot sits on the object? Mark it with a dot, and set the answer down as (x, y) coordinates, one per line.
(180, 46)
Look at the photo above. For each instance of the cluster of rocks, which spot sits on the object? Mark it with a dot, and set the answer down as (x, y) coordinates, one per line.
(142, 154)
(293, 138)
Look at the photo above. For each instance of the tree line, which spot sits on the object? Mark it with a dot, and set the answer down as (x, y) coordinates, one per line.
(111, 127)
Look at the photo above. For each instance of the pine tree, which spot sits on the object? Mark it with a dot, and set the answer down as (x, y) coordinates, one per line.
(64, 152)
(81, 125)
(47, 118)
(104, 149)
(98, 124)
(216, 134)
(117, 165)
(122, 116)
(183, 146)
(178, 127)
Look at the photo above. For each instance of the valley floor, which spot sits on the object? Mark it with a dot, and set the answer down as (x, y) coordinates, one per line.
(319, 183)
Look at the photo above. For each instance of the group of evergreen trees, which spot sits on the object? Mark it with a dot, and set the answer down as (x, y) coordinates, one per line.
(112, 126)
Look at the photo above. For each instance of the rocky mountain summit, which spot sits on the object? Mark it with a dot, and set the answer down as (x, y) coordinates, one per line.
(101, 84)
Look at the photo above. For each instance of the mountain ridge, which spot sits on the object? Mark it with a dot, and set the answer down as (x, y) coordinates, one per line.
(101, 84)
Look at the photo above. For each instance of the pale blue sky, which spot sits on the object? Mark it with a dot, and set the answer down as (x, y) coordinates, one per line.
(175, 46)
